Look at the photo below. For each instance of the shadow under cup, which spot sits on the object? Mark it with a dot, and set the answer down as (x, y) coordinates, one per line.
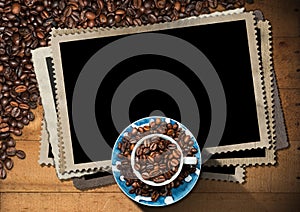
(157, 159)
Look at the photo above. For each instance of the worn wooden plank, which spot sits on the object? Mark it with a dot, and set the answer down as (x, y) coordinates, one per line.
(117, 202)
(291, 109)
(284, 15)
(285, 175)
(287, 62)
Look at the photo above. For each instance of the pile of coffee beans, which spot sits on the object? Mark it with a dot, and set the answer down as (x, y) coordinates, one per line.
(127, 145)
(157, 159)
(26, 25)
(8, 150)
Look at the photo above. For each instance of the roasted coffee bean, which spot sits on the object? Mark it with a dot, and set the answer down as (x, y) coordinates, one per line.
(4, 135)
(15, 112)
(20, 154)
(157, 121)
(30, 116)
(153, 146)
(174, 162)
(17, 131)
(137, 166)
(4, 127)
(2, 173)
(103, 19)
(194, 150)
(20, 88)
(90, 15)
(3, 155)
(11, 151)
(147, 143)
(145, 175)
(8, 163)
(160, 4)
(111, 20)
(154, 196)
(11, 142)
(134, 131)
(159, 179)
(213, 3)
(152, 18)
(172, 146)
(20, 125)
(187, 138)
(176, 154)
(137, 3)
(24, 106)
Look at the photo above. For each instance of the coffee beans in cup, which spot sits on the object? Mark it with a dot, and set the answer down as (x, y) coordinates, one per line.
(164, 156)
(157, 159)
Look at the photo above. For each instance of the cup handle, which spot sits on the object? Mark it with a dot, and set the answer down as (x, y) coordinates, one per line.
(190, 160)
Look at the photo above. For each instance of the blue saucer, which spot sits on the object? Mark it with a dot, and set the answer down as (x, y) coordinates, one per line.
(177, 193)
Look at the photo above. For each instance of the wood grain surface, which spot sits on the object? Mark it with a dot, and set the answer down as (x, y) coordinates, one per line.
(30, 187)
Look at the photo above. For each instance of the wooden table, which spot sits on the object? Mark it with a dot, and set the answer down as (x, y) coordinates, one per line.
(276, 188)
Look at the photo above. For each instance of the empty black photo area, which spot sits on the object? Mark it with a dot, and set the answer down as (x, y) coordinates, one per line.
(224, 44)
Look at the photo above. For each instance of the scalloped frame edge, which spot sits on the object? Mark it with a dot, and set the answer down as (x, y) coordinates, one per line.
(50, 125)
(44, 160)
(268, 77)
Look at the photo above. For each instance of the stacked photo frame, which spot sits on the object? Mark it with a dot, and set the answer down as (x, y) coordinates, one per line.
(234, 101)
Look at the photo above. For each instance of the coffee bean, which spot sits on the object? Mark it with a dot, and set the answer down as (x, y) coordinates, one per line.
(17, 131)
(4, 135)
(24, 106)
(152, 18)
(153, 146)
(194, 150)
(159, 179)
(90, 15)
(176, 154)
(30, 116)
(3, 155)
(2, 173)
(15, 112)
(20, 125)
(20, 88)
(213, 3)
(102, 18)
(137, 3)
(11, 142)
(172, 146)
(20, 154)
(14, 104)
(4, 127)
(174, 162)
(137, 166)
(157, 121)
(120, 12)
(154, 196)
(187, 138)
(145, 175)
(11, 151)
(8, 163)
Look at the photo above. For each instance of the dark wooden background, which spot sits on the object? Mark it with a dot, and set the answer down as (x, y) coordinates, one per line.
(276, 188)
